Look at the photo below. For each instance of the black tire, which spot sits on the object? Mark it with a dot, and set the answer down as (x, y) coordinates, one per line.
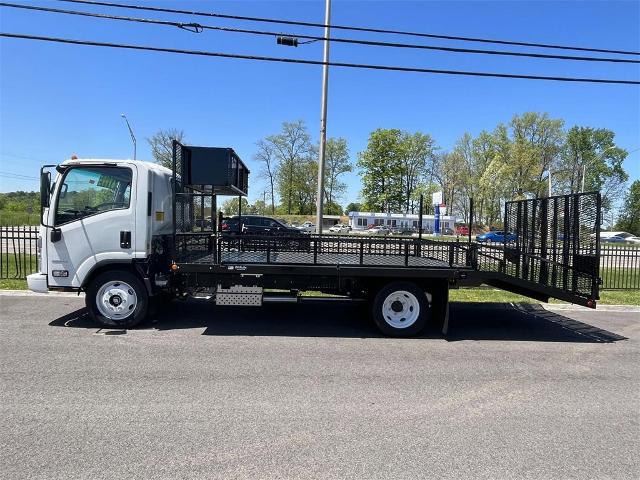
(397, 303)
(124, 286)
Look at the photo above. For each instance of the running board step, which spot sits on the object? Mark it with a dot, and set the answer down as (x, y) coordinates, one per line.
(239, 295)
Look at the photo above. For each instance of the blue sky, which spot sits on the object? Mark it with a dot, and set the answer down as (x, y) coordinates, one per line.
(58, 100)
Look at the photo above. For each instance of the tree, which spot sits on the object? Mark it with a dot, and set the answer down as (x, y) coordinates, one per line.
(162, 145)
(536, 142)
(267, 158)
(336, 163)
(381, 165)
(629, 220)
(294, 156)
(593, 152)
(230, 207)
(353, 207)
(332, 208)
(416, 158)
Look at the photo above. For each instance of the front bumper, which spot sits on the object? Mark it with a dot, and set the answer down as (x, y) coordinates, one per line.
(37, 282)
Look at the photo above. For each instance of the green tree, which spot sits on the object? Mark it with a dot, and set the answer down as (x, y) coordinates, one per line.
(291, 172)
(381, 165)
(592, 152)
(353, 207)
(161, 144)
(629, 220)
(230, 207)
(416, 157)
(336, 164)
(536, 143)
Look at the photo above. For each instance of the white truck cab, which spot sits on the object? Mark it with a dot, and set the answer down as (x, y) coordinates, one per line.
(99, 213)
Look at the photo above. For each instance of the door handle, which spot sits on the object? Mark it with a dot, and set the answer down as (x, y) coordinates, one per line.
(125, 239)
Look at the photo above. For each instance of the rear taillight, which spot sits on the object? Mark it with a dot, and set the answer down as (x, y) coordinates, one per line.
(225, 226)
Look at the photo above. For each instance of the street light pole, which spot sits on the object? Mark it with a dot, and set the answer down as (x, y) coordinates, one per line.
(133, 137)
(323, 118)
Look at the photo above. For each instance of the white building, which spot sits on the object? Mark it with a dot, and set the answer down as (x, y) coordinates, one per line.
(362, 220)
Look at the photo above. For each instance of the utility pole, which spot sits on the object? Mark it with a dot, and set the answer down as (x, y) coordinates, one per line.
(133, 137)
(323, 118)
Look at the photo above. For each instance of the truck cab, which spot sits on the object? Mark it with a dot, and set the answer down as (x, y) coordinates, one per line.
(98, 214)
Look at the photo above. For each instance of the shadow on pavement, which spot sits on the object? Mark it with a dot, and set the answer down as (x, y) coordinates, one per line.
(468, 321)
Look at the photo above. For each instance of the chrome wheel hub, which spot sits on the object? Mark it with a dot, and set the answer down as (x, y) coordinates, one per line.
(116, 300)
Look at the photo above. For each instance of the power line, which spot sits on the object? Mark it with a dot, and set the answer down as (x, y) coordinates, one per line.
(315, 62)
(198, 28)
(350, 27)
(17, 176)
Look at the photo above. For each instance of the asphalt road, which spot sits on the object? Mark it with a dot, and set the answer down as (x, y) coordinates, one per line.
(304, 391)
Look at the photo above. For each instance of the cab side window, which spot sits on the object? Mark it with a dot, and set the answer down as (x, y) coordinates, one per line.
(88, 191)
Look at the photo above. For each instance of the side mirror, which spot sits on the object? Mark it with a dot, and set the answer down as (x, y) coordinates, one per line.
(63, 190)
(45, 189)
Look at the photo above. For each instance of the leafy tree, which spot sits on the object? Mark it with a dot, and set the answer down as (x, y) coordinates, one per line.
(230, 207)
(336, 163)
(294, 156)
(594, 153)
(629, 220)
(162, 145)
(332, 208)
(416, 157)
(536, 142)
(353, 207)
(381, 165)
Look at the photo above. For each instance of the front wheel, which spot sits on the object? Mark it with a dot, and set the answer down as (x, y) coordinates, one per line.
(117, 298)
(401, 309)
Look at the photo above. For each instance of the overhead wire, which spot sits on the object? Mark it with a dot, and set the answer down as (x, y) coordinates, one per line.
(351, 27)
(315, 62)
(198, 28)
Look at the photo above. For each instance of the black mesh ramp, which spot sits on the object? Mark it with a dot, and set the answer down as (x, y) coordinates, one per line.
(554, 242)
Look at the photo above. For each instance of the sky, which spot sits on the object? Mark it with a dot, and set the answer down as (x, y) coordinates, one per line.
(59, 100)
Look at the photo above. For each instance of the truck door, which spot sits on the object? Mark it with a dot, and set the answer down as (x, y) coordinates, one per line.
(93, 218)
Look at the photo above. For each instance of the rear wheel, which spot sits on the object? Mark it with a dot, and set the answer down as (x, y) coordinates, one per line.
(400, 309)
(117, 298)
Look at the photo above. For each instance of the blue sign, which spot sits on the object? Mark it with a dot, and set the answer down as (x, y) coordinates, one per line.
(436, 222)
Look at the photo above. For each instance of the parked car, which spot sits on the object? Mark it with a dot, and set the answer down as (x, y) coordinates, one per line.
(340, 228)
(497, 236)
(307, 227)
(257, 225)
(447, 231)
(403, 231)
(203, 223)
(378, 230)
(617, 239)
(633, 240)
(462, 230)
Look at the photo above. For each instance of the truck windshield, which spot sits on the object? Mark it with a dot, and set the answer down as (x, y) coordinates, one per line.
(90, 190)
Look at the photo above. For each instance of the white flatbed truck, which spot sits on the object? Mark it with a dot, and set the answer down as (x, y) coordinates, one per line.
(130, 232)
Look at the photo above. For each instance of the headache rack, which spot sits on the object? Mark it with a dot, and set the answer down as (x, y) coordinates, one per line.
(551, 248)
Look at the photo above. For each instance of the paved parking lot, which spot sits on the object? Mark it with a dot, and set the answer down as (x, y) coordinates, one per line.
(303, 391)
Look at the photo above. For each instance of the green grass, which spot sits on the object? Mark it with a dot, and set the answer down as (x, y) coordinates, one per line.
(607, 297)
(14, 274)
(620, 277)
(11, 219)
